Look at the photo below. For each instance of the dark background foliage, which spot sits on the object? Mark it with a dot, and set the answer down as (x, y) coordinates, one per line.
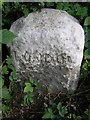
(11, 11)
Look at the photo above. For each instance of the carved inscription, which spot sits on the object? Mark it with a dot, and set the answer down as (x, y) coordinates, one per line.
(38, 58)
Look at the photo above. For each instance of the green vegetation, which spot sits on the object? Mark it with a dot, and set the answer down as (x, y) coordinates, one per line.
(7, 36)
(9, 77)
(29, 89)
(55, 112)
(59, 112)
(11, 88)
(73, 105)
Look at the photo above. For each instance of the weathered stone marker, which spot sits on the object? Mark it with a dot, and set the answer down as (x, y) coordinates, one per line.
(49, 48)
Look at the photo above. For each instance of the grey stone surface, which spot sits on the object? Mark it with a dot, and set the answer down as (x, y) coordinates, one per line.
(49, 47)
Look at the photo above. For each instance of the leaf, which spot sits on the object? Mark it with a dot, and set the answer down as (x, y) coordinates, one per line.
(74, 116)
(10, 78)
(16, 4)
(28, 84)
(87, 35)
(1, 82)
(25, 99)
(5, 93)
(59, 6)
(87, 53)
(41, 4)
(50, 110)
(27, 89)
(14, 75)
(71, 12)
(5, 108)
(84, 66)
(26, 12)
(4, 70)
(79, 117)
(37, 85)
(53, 116)
(71, 92)
(7, 36)
(87, 112)
(31, 95)
(28, 99)
(53, 104)
(8, 60)
(31, 89)
(61, 113)
(31, 80)
(87, 21)
(34, 9)
(11, 67)
(76, 6)
(59, 106)
(64, 109)
(46, 115)
(31, 99)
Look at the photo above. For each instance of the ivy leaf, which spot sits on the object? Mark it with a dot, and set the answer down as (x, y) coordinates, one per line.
(25, 99)
(31, 89)
(74, 116)
(59, 6)
(7, 9)
(34, 9)
(59, 106)
(7, 36)
(87, 21)
(31, 99)
(53, 104)
(37, 85)
(5, 93)
(31, 80)
(87, 112)
(14, 75)
(4, 70)
(87, 53)
(46, 115)
(41, 4)
(8, 60)
(11, 67)
(10, 78)
(53, 116)
(61, 113)
(50, 110)
(64, 109)
(27, 89)
(71, 12)
(76, 6)
(26, 12)
(16, 5)
(71, 92)
(31, 95)
(1, 82)
(28, 84)
(5, 108)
